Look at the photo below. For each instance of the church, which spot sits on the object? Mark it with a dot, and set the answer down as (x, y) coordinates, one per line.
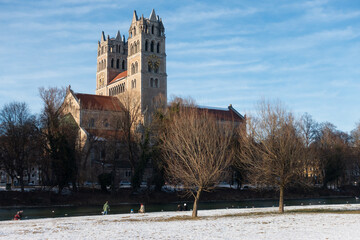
(129, 72)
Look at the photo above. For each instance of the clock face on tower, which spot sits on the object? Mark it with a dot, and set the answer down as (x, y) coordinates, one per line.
(154, 62)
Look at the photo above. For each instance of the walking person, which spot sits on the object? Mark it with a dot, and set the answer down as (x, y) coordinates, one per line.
(106, 208)
(142, 208)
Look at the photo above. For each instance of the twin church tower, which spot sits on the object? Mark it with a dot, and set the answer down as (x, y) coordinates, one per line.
(138, 64)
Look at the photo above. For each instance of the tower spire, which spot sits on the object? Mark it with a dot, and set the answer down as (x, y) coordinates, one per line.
(103, 39)
(118, 36)
(135, 17)
(152, 15)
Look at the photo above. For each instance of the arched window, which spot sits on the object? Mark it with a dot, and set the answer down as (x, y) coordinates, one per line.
(102, 49)
(146, 45)
(134, 31)
(151, 82)
(158, 48)
(104, 63)
(136, 67)
(134, 83)
(123, 64)
(117, 63)
(112, 63)
(149, 66)
(131, 49)
(152, 47)
(135, 47)
(146, 29)
(152, 29)
(156, 83)
(92, 122)
(132, 68)
(138, 44)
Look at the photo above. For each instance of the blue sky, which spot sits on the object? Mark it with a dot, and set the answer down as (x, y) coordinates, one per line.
(305, 53)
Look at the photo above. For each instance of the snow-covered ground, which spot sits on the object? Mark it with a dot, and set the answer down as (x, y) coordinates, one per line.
(212, 224)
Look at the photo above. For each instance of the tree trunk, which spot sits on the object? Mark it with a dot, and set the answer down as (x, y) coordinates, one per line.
(281, 200)
(22, 182)
(196, 201)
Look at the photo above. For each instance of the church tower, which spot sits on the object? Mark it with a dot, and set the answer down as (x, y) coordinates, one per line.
(111, 60)
(138, 64)
(147, 59)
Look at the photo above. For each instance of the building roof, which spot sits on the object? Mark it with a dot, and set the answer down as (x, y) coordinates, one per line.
(99, 102)
(119, 76)
(223, 114)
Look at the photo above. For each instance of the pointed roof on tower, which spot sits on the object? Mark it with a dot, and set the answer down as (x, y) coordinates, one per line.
(152, 15)
(135, 17)
(103, 39)
(118, 36)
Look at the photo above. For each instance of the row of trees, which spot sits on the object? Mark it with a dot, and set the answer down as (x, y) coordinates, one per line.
(276, 150)
(186, 146)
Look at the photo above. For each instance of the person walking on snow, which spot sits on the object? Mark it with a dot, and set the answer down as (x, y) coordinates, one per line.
(106, 208)
(142, 208)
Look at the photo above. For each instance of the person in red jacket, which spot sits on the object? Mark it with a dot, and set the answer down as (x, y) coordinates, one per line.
(18, 215)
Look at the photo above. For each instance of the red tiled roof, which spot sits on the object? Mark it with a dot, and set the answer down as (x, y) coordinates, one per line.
(98, 102)
(120, 75)
(223, 114)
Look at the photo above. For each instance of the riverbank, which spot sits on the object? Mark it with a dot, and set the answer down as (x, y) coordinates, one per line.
(89, 197)
(310, 222)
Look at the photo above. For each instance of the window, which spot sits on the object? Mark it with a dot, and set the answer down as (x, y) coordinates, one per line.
(117, 63)
(152, 47)
(151, 82)
(92, 122)
(131, 49)
(106, 123)
(152, 29)
(133, 83)
(158, 48)
(156, 83)
(102, 154)
(135, 47)
(123, 64)
(134, 31)
(132, 68)
(136, 67)
(146, 45)
(156, 69)
(149, 66)
(112, 63)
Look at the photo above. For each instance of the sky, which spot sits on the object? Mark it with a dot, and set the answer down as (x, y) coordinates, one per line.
(303, 53)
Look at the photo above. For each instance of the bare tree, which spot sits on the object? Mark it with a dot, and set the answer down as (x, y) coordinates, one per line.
(60, 134)
(18, 143)
(131, 126)
(309, 131)
(272, 150)
(355, 137)
(197, 151)
(334, 154)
